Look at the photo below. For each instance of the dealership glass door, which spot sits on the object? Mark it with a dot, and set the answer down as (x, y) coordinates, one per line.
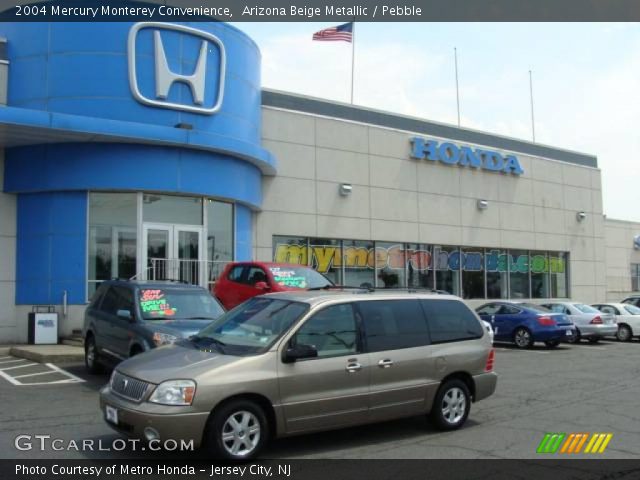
(173, 252)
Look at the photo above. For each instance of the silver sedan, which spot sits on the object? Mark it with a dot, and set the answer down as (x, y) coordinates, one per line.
(590, 323)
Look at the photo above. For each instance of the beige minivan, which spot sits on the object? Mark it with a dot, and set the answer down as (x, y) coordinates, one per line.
(299, 362)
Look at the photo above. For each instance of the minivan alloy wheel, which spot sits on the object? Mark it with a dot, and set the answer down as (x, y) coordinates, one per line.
(454, 405)
(241, 433)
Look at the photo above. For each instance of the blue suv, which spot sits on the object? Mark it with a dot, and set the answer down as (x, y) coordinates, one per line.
(125, 318)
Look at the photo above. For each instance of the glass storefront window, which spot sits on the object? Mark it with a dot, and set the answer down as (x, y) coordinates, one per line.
(539, 266)
(326, 258)
(472, 262)
(470, 272)
(171, 209)
(446, 261)
(112, 237)
(291, 250)
(496, 266)
(219, 236)
(358, 261)
(390, 265)
(558, 263)
(419, 270)
(519, 274)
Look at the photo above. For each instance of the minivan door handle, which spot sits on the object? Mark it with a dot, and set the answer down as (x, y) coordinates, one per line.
(386, 363)
(353, 367)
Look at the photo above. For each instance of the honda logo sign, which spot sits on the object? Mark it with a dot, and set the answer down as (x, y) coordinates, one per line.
(165, 77)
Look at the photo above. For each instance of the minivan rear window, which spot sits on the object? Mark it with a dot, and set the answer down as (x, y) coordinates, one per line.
(451, 321)
(393, 324)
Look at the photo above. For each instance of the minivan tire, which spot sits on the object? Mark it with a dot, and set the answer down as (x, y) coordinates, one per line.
(453, 393)
(91, 358)
(239, 425)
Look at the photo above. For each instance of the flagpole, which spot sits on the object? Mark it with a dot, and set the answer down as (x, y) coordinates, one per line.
(533, 123)
(455, 55)
(353, 56)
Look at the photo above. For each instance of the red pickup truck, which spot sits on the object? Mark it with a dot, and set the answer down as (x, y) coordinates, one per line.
(242, 280)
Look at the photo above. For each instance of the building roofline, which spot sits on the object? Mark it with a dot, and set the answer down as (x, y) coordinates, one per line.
(345, 111)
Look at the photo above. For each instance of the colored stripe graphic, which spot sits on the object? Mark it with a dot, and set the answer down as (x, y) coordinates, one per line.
(598, 443)
(572, 443)
(551, 442)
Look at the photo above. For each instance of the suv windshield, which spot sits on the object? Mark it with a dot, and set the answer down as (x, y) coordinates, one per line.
(253, 325)
(298, 277)
(173, 303)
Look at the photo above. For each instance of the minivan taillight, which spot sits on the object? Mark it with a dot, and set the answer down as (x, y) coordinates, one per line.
(490, 359)
(597, 320)
(546, 321)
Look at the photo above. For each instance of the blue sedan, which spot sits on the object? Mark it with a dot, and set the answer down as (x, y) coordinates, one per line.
(526, 323)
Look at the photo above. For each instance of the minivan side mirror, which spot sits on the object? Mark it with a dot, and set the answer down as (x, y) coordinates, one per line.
(126, 314)
(262, 286)
(299, 352)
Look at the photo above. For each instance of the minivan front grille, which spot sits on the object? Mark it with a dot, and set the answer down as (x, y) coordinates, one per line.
(128, 387)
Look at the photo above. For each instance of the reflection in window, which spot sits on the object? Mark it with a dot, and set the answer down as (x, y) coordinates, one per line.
(539, 266)
(519, 273)
(172, 209)
(357, 257)
(635, 277)
(219, 236)
(558, 271)
(419, 271)
(327, 258)
(112, 237)
(390, 265)
(332, 331)
(496, 266)
(472, 260)
(446, 261)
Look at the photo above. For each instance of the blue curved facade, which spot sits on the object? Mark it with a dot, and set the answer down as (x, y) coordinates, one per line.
(94, 93)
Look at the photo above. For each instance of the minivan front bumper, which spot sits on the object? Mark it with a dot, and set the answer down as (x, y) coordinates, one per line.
(485, 385)
(168, 421)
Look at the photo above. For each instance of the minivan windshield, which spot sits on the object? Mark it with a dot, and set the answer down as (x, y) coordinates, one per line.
(252, 326)
(174, 303)
(298, 277)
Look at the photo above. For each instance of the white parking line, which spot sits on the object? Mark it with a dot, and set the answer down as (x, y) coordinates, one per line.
(50, 369)
(19, 366)
(14, 361)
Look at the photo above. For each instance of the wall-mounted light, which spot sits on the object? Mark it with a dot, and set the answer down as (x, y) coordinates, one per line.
(482, 204)
(345, 189)
(580, 216)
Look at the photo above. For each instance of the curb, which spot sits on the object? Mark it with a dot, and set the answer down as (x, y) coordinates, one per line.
(47, 357)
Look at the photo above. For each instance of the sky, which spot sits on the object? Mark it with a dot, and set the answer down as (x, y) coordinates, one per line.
(586, 79)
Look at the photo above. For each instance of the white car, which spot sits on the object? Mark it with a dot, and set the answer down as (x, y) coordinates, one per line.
(590, 323)
(627, 318)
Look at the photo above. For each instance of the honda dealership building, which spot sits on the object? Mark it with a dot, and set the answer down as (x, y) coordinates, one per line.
(150, 150)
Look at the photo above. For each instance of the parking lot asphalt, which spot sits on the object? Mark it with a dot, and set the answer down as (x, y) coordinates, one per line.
(583, 388)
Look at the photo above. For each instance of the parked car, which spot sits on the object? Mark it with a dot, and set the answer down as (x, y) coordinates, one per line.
(240, 281)
(590, 323)
(633, 300)
(297, 362)
(524, 324)
(627, 317)
(125, 318)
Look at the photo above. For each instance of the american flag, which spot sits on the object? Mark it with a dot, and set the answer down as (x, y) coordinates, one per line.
(341, 33)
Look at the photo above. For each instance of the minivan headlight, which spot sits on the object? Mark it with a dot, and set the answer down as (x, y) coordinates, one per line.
(174, 392)
(163, 338)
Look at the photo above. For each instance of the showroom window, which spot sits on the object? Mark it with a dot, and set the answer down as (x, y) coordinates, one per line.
(470, 272)
(112, 237)
(157, 237)
(635, 277)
